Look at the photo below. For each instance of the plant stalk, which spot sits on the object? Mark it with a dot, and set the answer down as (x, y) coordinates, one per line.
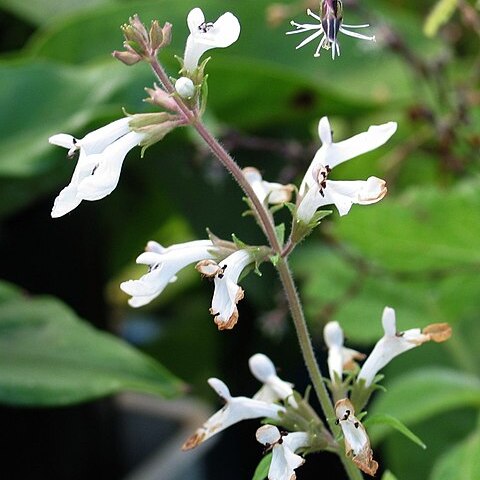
(266, 222)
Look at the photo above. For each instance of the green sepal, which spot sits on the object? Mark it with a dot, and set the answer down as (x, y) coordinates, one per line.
(274, 259)
(239, 243)
(280, 233)
(203, 95)
(360, 394)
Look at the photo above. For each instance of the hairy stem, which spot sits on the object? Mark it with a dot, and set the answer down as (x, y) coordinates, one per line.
(266, 222)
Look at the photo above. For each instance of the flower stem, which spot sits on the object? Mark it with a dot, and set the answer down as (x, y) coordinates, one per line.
(261, 213)
(265, 220)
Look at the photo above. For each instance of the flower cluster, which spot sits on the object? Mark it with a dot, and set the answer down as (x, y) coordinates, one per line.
(303, 432)
(276, 403)
(102, 152)
(218, 260)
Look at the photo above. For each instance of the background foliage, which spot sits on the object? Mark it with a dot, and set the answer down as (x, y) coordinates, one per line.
(417, 251)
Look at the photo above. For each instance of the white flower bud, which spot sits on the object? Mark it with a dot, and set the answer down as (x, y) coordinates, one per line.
(185, 87)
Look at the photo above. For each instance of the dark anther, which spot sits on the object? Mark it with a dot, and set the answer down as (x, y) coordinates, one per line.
(205, 27)
(337, 421)
(220, 275)
(356, 424)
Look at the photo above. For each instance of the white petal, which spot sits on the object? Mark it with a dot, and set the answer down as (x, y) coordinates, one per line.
(268, 435)
(343, 194)
(164, 267)
(374, 137)
(62, 140)
(284, 460)
(274, 387)
(261, 367)
(227, 293)
(222, 33)
(105, 178)
(325, 131)
(235, 410)
(357, 443)
(98, 140)
(389, 346)
(68, 198)
(195, 18)
(65, 202)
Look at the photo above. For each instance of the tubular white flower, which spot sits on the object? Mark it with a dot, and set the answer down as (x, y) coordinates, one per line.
(274, 388)
(357, 443)
(339, 357)
(394, 343)
(271, 192)
(328, 26)
(164, 263)
(235, 410)
(316, 190)
(284, 459)
(99, 164)
(227, 293)
(206, 35)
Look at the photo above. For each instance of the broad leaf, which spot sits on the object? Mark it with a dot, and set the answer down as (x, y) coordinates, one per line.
(460, 462)
(50, 357)
(424, 393)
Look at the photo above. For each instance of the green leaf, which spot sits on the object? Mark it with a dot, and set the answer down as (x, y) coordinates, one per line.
(460, 462)
(384, 419)
(395, 233)
(424, 393)
(261, 472)
(8, 291)
(44, 11)
(50, 357)
(388, 475)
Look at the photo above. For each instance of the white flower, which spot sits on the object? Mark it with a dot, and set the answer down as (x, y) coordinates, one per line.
(316, 190)
(206, 35)
(339, 357)
(357, 443)
(227, 293)
(273, 193)
(394, 343)
(164, 263)
(329, 24)
(284, 459)
(274, 388)
(99, 163)
(235, 410)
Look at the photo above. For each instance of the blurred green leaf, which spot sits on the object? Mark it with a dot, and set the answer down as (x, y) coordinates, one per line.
(459, 462)
(44, 11)
(49, 357)
(8, 291)
(261, 472)
(388, 476)
(424, 393)
(388, 420)
(418, 230)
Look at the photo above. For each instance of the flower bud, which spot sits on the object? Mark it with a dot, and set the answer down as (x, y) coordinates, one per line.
(185, 87)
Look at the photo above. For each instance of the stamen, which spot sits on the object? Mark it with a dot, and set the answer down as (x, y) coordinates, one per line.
(205, 27)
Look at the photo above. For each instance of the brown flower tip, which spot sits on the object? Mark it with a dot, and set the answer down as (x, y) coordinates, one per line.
(438, 332)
